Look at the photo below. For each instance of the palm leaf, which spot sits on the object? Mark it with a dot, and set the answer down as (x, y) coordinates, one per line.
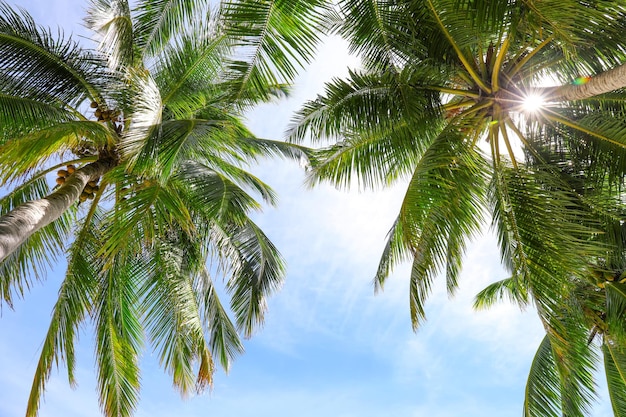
(111, 20)
(273, 39)
(255, 267)
(615, 366)
(543, 388)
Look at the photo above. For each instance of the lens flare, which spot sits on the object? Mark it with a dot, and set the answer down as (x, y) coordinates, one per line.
(581, 80)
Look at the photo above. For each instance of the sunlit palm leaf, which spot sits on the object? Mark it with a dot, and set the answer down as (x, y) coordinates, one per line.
(442, 209)
(71, 309)
(111, 20)
(615, 365)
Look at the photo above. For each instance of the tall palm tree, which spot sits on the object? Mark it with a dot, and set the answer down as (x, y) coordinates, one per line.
(146, 139)
(440, 102)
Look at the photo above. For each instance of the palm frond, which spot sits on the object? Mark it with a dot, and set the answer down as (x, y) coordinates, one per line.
(44, 66)
(273, 39)
(508, 288)
(255, 270)
(441, 210)
(615, 366)
(71, 309)
(161, 20)
(543, 388)
(111, 21)
(22, 155)
(173, 317)
(224, 340)
(119, 335)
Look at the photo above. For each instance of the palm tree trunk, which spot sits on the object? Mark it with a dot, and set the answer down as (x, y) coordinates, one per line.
(17, 225)
(602, 83)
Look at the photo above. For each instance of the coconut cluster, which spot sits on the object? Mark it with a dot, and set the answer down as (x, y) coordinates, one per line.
(90, 189)
(104, 115)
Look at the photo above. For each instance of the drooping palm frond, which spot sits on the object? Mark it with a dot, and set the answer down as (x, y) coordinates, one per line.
(72, 308)
(543, 388)
(173, 317)
(223, 338)
(508, 288)
(119, 335)
(615, 365)
(442, 209)
(255, 267)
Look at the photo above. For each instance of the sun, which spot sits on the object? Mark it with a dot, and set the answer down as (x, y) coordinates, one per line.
(533, 103)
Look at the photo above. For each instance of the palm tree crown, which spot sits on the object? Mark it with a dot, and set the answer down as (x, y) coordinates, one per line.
(146, 140)
(440, 102)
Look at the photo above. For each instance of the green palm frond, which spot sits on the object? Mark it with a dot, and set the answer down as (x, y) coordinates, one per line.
(20, 115)
(543, 388)
(441, 210)
(224, 340)
(188, 73)
(159, 21)
(615, 366)
(173, 317)
(616, 310)
(374, 31)
(71, 309)
(273, 39)
(45, 66)
(119, 335)
(371, 103)
(26, 153)
(255, 270)
(214, 195)
(508, 288)
(560, 381)
(439, 196)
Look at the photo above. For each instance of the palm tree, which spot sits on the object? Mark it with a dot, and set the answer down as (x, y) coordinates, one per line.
(146, 140)
(440, 102)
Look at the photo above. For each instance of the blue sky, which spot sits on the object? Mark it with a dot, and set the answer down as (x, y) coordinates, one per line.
(329, 347)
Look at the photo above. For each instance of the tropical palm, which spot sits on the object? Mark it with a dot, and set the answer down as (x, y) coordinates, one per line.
(440, 102)
(146, 138)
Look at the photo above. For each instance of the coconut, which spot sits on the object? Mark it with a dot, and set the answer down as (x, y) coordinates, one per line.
(93, 104)
(71, 169)
(62, 173)
(60, 180)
